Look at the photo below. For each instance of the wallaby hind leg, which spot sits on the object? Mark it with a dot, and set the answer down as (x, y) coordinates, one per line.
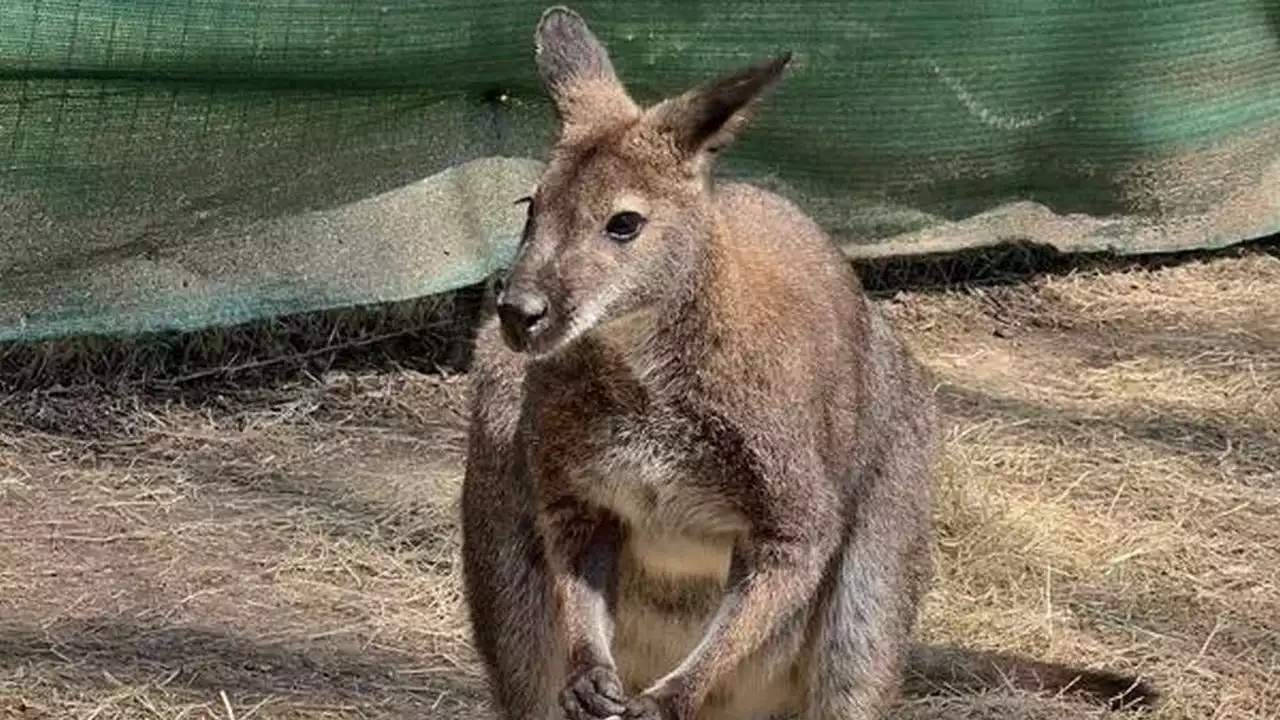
(508, 590)
(513, 631)
(861, 644)
(861, 648)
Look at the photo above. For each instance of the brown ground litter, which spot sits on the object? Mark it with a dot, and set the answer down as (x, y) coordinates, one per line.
(286, 547)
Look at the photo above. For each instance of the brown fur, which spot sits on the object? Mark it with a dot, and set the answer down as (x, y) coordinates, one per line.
(698, 478)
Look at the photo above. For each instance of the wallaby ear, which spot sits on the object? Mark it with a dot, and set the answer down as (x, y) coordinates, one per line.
(709, 117)
(575, 67)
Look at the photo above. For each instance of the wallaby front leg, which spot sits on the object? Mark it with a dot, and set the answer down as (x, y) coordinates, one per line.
(584, 550)
(772, 583)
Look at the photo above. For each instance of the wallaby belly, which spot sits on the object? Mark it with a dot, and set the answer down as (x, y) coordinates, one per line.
(670, 586)
(651, 472)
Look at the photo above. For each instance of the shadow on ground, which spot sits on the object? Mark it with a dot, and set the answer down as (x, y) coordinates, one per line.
(1164, 432)
(206, 661)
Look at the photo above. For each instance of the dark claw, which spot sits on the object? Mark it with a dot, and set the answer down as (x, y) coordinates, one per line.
(595, 694)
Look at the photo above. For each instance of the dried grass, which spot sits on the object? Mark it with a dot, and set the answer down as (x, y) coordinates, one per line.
(282, 544)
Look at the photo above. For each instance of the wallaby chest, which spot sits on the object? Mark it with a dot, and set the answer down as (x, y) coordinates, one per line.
(616, 440)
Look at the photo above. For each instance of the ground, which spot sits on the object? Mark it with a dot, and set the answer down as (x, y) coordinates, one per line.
(1109, 496)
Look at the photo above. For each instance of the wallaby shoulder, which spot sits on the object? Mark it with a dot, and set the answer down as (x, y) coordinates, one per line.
(787, 253)
(795, 302)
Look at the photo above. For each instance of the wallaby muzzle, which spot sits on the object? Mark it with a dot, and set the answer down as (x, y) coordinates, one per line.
(524, 313)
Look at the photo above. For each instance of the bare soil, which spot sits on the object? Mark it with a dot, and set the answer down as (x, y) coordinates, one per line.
(1109, 495)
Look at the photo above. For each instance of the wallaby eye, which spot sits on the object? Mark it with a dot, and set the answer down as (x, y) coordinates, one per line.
(624, 226)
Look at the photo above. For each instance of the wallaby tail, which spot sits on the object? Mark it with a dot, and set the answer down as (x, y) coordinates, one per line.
(935, 670)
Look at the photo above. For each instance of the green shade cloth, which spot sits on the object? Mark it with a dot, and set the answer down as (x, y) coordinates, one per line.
(177, 164)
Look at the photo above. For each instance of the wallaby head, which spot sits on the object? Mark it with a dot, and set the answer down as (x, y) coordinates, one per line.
(623, 208)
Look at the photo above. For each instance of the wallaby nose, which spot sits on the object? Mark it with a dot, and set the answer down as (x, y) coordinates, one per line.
(521, 311)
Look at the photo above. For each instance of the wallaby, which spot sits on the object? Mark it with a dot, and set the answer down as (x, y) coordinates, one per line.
(698, 476)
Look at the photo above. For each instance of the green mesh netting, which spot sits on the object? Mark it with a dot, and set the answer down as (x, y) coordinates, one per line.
(185, 163)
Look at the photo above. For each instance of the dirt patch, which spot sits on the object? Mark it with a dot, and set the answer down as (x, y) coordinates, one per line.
(288, 549)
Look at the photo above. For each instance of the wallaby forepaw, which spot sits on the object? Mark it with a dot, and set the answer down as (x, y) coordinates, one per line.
(594, 694)
(644, 707)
